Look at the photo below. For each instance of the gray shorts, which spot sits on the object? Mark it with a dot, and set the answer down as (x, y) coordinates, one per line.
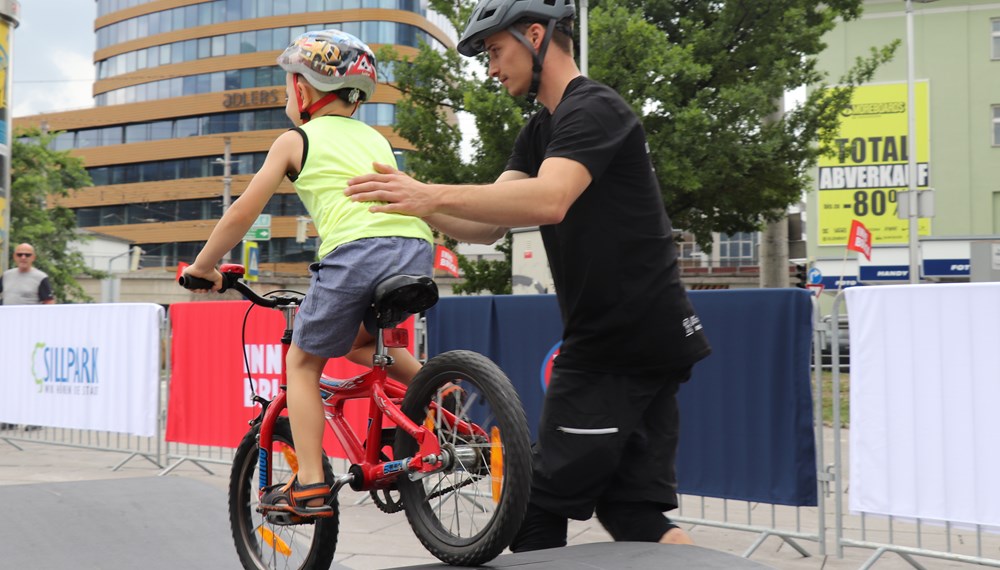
(342, 287)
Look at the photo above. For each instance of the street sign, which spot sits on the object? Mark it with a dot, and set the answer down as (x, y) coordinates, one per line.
(258, 234)
(815, 288)
(815, 276)
(260, 230)
(251, 260)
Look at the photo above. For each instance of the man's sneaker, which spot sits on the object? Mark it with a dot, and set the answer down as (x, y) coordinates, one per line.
(32, 428)
(8, 426)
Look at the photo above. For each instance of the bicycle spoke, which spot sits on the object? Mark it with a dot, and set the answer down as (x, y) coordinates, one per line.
(260, 543)
(463, 512)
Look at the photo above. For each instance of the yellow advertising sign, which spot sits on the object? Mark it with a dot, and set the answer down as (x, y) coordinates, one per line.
(870, 165)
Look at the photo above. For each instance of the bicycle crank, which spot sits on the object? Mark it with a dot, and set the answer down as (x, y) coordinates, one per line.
(387, 500)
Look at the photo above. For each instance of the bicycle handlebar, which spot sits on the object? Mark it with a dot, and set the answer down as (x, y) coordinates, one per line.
(231, 274)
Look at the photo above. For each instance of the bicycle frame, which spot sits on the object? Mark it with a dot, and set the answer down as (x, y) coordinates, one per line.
(384, 395)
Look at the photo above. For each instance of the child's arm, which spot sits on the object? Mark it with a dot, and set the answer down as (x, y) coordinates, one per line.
(284, 157)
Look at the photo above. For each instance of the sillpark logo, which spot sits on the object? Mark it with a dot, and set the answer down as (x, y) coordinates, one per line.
(65, 369)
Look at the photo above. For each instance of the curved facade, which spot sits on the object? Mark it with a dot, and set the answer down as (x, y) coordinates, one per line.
(175, 80)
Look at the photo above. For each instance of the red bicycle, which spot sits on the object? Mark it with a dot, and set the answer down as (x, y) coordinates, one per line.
(460, 457)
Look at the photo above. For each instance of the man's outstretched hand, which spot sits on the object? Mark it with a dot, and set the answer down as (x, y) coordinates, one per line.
(392, 191)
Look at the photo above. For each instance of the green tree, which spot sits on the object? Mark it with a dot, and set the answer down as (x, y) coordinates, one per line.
(435, 87)
(487, 275)
(38, 176)
(703, 75)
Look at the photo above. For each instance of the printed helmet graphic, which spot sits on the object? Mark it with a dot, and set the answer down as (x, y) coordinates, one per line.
(331, 60)
(492, 16)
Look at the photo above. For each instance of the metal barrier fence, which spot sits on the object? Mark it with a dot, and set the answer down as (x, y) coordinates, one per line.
(149, 448)
(946, 540)
(766, 520)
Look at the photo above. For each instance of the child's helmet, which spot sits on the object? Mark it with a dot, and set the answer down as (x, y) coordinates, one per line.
(331, 60)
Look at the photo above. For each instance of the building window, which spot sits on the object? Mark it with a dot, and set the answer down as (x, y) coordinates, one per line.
(374, 114)
(689, 254)
(253, 41)
(996, 39)
(738, 249)
(996, 125)
(219, 11)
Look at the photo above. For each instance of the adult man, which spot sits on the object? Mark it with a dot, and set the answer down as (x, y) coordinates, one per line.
(24, 285)
(580, 169)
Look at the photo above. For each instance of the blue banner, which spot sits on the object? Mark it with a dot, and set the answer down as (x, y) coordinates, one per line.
(515, 331)
(884, 272)
(947, 267)
(831, 283)
(747, 423)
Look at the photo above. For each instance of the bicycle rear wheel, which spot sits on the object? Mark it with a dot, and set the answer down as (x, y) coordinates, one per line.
(469, 512)
(262, 545)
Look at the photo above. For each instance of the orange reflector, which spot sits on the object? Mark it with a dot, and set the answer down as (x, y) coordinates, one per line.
(274, 542)
(496, 462)
(290, 457)
(395, 338)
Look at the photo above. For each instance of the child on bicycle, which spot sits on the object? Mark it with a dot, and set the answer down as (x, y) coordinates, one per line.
(329, 74)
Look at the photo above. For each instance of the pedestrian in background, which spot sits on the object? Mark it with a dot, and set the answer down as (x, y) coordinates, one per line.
(25, 285)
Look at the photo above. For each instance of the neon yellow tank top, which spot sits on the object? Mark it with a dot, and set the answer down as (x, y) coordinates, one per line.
(336, 150)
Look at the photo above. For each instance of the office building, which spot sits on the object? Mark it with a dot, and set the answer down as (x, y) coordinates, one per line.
(177, 81)
(956, 47)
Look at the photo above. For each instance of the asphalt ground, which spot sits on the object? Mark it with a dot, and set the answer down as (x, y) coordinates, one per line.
(179, 520)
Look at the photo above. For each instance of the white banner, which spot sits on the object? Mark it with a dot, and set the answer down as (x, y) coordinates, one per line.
(81, 366)
(925, 401)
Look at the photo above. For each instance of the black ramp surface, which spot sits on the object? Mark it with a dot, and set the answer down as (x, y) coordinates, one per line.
(150, 523)
(620, 556)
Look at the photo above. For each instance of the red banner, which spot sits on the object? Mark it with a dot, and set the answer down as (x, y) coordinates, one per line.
(446, 260)
(860, 239)
(210, 399)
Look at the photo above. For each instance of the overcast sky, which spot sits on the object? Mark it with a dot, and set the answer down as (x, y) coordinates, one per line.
(53, 56)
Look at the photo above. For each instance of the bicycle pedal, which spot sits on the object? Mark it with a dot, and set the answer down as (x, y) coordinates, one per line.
(283, 518)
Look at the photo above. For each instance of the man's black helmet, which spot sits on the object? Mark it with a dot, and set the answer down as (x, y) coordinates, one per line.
(492, 16)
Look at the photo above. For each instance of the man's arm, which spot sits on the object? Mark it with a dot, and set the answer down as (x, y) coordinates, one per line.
(524, 201)
(45, 296)
(469, 231)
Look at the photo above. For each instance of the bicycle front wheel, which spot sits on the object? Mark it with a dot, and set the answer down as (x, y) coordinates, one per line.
(260, 544)
(467, 513)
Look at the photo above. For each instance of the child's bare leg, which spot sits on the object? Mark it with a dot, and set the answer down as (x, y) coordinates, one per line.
(305, 411)
(404, 366)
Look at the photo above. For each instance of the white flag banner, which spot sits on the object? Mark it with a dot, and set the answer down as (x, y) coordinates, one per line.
(93, 367)
(925, 401)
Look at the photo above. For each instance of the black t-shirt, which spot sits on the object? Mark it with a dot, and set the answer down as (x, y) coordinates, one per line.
(613, 259)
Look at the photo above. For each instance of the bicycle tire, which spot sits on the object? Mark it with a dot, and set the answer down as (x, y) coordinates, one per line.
(260, 544)
(432, 503)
